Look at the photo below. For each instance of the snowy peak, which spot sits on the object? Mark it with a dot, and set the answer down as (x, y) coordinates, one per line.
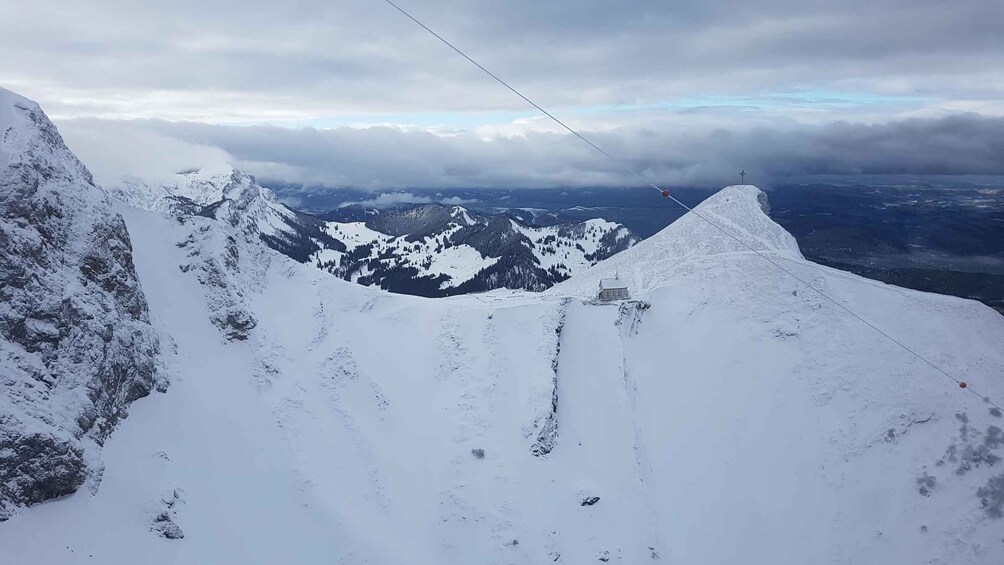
(462, 214)
(232, 196)
(739, 210)
(733, 220)
(205, 187)
(198, 187)
(30, 140)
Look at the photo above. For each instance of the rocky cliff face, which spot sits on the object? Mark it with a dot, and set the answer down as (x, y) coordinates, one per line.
(76, 344)
(228, 264)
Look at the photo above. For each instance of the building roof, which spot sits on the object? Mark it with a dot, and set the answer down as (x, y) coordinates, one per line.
(612, 284)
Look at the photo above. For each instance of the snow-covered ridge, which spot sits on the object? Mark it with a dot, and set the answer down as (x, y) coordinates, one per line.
(244, 200)
(201, 186)
(740, 210)
(29, 138)
(76, 345)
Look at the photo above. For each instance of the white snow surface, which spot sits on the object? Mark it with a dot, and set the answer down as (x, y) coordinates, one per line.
(728, 416)
(692, 241)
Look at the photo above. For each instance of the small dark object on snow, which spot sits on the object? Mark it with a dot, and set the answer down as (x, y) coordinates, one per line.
(962, 384)
(478, 453)
(926, 484)
(164, 526)
(590, 500)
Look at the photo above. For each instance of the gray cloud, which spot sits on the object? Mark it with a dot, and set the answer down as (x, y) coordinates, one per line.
(686, 91)
(696, 152)
(264, 61)
(388, 199)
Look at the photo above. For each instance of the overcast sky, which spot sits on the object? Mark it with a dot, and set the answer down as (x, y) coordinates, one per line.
(351, 93)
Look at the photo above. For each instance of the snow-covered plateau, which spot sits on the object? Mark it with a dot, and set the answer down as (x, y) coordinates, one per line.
(724, 414)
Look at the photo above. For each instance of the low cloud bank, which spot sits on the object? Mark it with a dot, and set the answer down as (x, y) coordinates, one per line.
(388, 157)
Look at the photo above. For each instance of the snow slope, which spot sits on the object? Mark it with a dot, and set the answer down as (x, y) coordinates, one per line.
(726, 419)
(725, 415)
(691, 240)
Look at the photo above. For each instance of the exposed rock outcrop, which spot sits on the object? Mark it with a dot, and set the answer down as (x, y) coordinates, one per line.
(545, 426)
(76, 344)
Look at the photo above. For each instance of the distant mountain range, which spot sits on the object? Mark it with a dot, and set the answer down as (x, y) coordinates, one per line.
(427, 250)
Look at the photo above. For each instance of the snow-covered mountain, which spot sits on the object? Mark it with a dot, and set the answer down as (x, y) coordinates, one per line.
(231, 195)
(76, 345)
(724, 414)
(430, 250)
(436, 250)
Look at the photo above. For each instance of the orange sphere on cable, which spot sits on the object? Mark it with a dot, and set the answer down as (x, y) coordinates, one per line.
(962, 384)
(665, 194)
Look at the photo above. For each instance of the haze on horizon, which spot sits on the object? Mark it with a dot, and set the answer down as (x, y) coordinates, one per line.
(351, 93)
